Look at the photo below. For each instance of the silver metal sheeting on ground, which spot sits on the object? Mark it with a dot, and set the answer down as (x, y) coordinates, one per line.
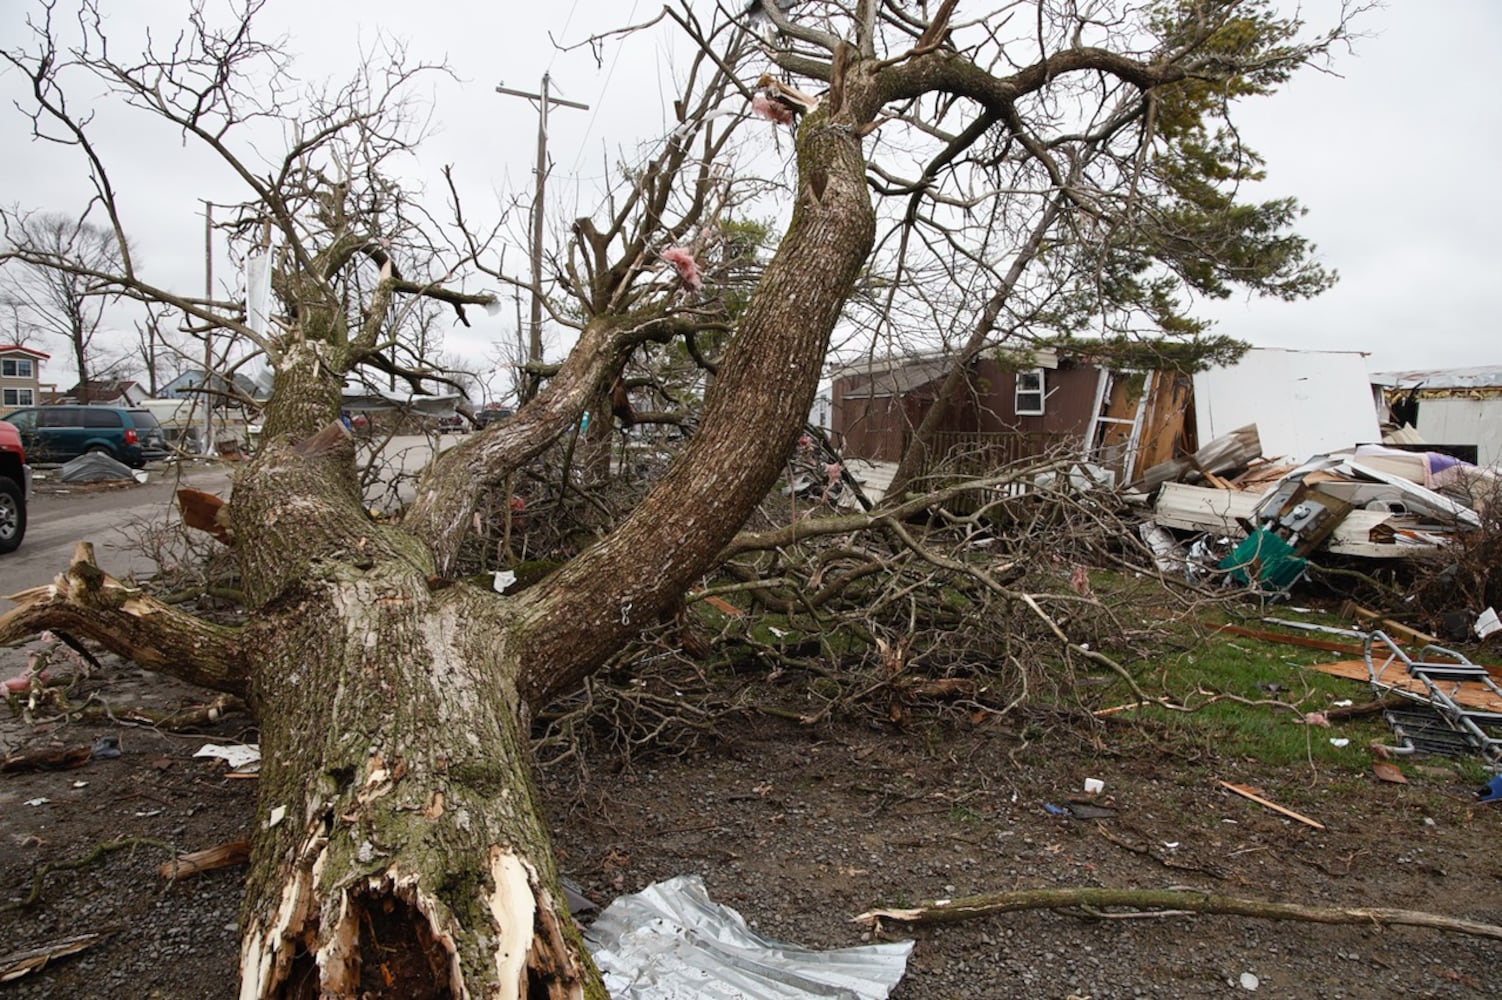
(671, 942)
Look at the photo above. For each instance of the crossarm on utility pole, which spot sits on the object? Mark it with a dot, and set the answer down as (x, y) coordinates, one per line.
(543, 101)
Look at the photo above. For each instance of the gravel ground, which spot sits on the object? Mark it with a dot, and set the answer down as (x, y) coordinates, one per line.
(802, 828)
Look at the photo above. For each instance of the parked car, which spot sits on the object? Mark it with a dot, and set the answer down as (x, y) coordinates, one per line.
(490, 415)
(454, 423)
(15, 488)
(60, 433)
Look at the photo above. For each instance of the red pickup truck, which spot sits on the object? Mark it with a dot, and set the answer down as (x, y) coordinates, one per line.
(15, 488)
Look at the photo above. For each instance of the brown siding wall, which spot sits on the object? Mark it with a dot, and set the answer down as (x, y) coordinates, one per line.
(1069, 394)
(877, 428)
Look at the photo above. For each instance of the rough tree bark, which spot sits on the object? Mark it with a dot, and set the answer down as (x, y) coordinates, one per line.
(398, 836)
(400, 849)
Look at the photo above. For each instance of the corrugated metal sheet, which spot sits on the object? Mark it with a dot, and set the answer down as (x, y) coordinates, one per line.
(1479, 377)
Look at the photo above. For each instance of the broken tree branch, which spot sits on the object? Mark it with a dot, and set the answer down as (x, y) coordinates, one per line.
(88, 601)
(1147, 900)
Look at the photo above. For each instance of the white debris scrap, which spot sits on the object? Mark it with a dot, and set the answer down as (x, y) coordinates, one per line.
(670, 942)
(239, 756)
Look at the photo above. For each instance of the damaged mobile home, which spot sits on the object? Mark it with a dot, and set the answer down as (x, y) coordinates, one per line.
(1281, 454)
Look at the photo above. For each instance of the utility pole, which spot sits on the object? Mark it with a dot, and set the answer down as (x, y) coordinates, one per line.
(543, 101)
(207, 447)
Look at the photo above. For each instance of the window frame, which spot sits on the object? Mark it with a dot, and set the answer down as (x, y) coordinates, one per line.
(19, 368)
(1040, 393)
(18, 396)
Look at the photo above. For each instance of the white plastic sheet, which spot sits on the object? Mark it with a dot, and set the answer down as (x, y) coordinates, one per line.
(671, 942)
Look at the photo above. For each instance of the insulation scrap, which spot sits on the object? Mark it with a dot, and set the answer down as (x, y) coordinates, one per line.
(687, 267)
(773, 111)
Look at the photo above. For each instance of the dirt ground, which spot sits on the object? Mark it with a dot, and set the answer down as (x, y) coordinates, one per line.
(802, 828)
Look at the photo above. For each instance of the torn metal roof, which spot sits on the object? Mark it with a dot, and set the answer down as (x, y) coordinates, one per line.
(1478, 377)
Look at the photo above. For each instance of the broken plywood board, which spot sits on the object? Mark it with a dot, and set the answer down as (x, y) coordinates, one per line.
(1467, 694)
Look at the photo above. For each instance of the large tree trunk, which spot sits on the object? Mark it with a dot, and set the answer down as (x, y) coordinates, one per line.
(400, 849)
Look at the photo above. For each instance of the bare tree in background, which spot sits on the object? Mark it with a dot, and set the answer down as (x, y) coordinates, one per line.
(49, 290)
(399, 847)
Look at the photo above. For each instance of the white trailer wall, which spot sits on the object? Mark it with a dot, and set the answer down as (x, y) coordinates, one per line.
(1303, 402)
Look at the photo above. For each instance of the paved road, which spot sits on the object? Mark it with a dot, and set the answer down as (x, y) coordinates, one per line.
(57, 521)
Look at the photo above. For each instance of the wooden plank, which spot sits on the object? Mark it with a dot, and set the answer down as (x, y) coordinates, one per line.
(1247, 793)
(1391, 627)
(1217, 482)
(1467, 694)
(226, 855)
(1328, 645)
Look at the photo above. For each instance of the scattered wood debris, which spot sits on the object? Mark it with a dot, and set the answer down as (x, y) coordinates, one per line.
(1248, 793)
(225, 855)
(22, 963)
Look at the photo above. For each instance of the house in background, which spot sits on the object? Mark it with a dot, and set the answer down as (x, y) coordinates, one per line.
(1302, 402)
(101, 392)
(1035, 403)
(20, 376)
(188, 385)
(1453, 406)
(181, 408)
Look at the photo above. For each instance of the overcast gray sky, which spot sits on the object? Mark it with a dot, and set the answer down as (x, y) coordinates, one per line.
(1396, 157)
(1398, 161)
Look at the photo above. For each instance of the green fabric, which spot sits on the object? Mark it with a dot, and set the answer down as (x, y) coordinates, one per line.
(1267, 555)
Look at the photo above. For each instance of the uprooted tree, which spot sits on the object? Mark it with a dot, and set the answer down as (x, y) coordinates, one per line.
(399, 846)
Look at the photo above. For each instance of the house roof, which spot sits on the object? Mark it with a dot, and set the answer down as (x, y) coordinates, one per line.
(896, 375)
(18, 349)
(897, 381)
(95, 390)
(1042, 357)
(1479, 377)
(192, 378)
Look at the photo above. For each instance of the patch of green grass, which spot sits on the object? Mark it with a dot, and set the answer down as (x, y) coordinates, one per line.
(963, 816)
(1247, 698)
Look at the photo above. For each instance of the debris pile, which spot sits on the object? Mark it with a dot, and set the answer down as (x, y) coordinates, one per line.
(1263, 523)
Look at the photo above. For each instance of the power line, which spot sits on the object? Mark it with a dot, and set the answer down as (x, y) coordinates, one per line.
(609, 75)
